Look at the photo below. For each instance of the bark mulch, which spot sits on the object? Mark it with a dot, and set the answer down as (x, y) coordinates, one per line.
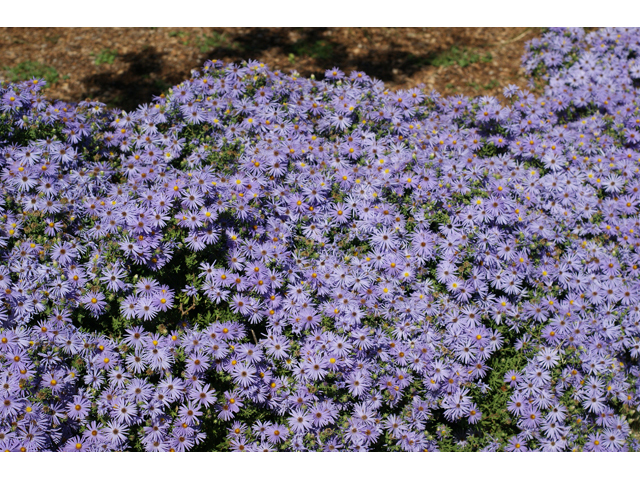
(124, 67)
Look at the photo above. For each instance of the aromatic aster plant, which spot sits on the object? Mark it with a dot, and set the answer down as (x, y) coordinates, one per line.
(260, 262)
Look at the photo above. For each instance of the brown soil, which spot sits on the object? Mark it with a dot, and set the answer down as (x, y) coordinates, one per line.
(125, 67)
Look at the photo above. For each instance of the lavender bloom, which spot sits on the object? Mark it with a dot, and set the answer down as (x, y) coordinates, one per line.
(375, 252)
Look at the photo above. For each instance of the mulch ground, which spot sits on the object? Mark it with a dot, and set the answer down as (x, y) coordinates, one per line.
(124, 67)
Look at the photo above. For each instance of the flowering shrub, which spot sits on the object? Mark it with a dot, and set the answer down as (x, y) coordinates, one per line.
(257, 261)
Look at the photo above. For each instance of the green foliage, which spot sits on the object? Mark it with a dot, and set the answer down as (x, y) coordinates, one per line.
(461, 57)
(106, 56)
(496, 423)
(178, 33)
(206, 43)
(496, 419)
(28, 70)
(183, 36)
(487, 86)
(319, 49)
(22, 136)
(489, 149)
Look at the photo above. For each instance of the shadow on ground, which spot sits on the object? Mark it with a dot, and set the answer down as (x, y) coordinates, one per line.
(312, 52)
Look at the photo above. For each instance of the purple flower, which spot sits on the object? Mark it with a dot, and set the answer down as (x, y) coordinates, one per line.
(78, 408)
(277, 433)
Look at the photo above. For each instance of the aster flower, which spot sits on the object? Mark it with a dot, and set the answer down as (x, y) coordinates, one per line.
(145, 308)
(78, 409)
(94, 302)
(516, 444)
(139, 390)
(10, 406)
(113, 278)
(52, 227)
(189, 413)
(300, 421)
(232, 406)
(277, 433)
(63, 253)
(93, 433)
(116, 433)
(203, 395)
(163, 299)
(523, 228)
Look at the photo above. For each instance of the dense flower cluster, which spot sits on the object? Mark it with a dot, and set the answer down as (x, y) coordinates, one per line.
(257, 261)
